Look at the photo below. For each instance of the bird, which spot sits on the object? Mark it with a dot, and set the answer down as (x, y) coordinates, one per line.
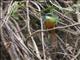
(50, 21)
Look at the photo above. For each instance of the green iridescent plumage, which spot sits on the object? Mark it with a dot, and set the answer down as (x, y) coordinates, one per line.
(50, 19)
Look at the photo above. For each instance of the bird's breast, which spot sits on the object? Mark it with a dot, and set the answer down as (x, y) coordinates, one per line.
(49, 24)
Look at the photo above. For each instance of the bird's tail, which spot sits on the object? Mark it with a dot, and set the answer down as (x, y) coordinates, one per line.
(54, 44)
(53, 40)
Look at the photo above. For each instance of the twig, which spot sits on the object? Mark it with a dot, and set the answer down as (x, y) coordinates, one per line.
(78, 53)
(62, 27)
(28, 22)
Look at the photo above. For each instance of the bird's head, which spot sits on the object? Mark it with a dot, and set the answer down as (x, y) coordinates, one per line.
(51, 17)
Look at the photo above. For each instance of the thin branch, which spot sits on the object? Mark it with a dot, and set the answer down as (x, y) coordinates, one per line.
(62, 27)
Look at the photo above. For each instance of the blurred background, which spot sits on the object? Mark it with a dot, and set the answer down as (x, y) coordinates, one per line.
(23, 35)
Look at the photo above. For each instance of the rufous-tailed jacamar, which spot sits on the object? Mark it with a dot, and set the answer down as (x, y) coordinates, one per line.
(50, 21)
